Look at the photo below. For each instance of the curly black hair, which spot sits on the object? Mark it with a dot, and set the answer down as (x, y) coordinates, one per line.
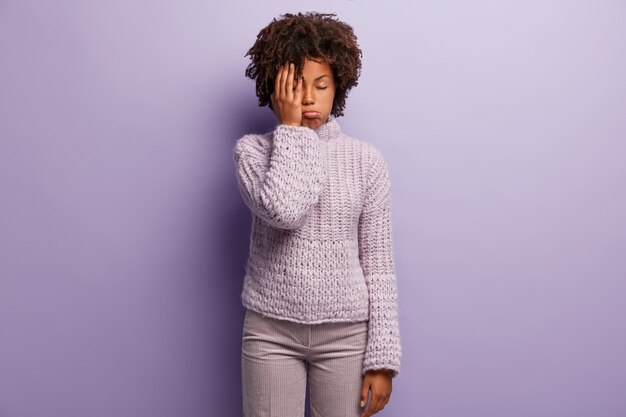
(296, 37)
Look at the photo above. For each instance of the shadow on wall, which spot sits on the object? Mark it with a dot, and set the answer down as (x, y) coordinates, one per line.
(230, 236)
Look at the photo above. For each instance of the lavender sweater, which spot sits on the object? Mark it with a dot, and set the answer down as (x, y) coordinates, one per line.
(321, 243)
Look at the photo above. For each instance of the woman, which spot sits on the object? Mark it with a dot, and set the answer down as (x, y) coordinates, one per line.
(320, 286)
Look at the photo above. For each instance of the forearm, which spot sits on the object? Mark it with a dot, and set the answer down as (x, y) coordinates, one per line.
(282, 186)
(383, 349)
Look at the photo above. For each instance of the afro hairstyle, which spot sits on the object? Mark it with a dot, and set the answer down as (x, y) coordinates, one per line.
(296, 37)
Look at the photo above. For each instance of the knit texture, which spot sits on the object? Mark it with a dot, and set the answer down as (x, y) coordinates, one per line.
(321, 242)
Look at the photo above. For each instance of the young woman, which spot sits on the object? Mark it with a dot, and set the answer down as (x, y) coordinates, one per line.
(320, 287)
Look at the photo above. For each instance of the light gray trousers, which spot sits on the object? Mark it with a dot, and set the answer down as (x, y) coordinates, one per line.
(277, 356)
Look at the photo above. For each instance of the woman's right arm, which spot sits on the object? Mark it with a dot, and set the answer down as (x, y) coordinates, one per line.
(281, 183)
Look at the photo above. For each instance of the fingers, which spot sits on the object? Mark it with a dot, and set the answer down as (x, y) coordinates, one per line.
(289, 83)
(364, 389)
(377, 403)
(380, 391)
(372, 408)
(297, 96)
(285, 84)
(287, 96)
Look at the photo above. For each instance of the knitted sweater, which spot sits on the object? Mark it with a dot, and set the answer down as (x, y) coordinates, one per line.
(321, 241)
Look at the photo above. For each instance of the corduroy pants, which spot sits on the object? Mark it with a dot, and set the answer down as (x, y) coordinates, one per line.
(277, 357)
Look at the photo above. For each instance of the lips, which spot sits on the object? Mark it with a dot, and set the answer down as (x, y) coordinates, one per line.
(310, 114)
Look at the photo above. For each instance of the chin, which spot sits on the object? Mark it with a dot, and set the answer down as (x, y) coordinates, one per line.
(312, 123)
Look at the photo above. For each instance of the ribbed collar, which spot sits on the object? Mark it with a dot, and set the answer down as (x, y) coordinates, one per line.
(329, 130)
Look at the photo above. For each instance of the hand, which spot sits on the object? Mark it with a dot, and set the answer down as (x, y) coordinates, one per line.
(379, 382)
(287, 100)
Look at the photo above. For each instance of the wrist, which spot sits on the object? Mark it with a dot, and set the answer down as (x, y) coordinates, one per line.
(381, 371)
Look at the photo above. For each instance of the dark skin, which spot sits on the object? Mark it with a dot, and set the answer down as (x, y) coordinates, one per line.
(379, 382)
(308, 101)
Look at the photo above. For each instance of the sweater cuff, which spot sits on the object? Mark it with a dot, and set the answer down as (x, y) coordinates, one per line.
(383, 349)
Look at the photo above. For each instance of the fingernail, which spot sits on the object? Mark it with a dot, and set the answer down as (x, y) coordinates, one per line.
(362, 403)
(291, 65)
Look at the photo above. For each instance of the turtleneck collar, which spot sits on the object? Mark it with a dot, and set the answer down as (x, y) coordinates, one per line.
(329, 130)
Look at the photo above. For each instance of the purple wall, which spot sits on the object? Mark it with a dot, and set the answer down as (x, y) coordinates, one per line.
(123, 235)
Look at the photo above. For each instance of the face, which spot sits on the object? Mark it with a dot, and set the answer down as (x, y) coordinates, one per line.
(318, 92)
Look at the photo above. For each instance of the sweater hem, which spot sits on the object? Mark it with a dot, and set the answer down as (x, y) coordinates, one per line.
(301, 321)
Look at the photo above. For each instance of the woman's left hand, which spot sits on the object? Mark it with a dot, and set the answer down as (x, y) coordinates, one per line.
(379, 382)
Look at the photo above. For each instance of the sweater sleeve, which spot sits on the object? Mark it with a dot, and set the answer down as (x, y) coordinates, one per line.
(282, 182)
(376, 256)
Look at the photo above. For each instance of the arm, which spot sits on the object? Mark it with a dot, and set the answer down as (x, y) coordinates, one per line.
(383, 349)
(281, 183)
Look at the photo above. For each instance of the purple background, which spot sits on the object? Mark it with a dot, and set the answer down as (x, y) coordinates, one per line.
(123, 236)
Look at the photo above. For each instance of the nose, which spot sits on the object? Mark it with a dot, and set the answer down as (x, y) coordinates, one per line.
(307, 96)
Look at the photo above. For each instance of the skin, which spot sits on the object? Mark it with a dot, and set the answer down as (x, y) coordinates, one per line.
(379, 383)
(315, 91)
